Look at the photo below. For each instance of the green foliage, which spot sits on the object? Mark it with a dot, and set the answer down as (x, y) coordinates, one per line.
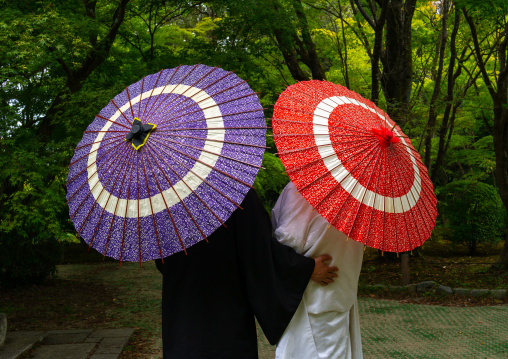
(270, 181)
(474, 213)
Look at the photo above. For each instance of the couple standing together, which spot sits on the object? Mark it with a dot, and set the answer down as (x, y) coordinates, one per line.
(272, 271)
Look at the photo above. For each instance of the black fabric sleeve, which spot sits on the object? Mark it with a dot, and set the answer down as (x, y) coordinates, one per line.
(159, 265)
(275, 276)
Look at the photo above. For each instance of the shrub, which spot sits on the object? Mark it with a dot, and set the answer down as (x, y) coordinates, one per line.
(473, 213)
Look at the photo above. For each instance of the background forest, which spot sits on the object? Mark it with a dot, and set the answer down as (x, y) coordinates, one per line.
(439, 68)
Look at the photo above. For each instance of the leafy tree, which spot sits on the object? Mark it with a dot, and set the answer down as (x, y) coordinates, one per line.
(474, 213)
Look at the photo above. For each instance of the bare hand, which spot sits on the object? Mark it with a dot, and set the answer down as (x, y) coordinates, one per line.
(323, 274)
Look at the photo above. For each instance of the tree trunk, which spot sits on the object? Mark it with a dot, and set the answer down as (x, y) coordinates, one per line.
(431, 123)
(397, 77)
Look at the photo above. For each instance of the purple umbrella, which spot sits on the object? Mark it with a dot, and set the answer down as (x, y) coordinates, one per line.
(166, 162)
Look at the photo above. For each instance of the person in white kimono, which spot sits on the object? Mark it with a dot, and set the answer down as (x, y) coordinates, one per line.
(326, 323)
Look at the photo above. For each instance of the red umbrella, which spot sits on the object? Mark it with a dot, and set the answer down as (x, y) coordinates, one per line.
(354, 165)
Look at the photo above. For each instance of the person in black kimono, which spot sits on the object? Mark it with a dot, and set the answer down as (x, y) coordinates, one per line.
(211, 295)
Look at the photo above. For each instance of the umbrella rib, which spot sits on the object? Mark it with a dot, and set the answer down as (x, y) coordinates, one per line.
(353, 94)
(206, 164)
(217, 128)
(392, 182)
(139, 220)
(111, 149)
(160, 95)
(153, 214)
(412, 214)
(417, 159)
(214, 140)
(114, 122)
(118, 108)
(367, 186)
(350, 173)
(130, 103)
(106, 144)
(151, 93)
(211, 106)
(117, 202)
(180, 199)
(317, 134)
(186, 184)
(325, 173)
(196, 102)
(346, 124)
(214, 153)
(423, 182)
(322, 158)
(95, 202)
(181, 80)
(91, 164)
(201, 178)
(192, 86)
(323, 145)
(104, 209)
(210, 118)
(372, 212)
(93, 143)
(109, 131)
(126, 206)
(139, 111)
(205, 108)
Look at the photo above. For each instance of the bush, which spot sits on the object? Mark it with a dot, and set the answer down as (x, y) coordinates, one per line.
(473, 213)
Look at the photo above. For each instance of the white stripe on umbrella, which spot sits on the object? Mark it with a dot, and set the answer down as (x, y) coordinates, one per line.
(332, 162)
(184, 187)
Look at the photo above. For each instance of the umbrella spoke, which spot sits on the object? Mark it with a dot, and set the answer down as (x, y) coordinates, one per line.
(179, 198)
(126, 206)
(130, 105)
(114, 122)
(345, 124)
(153, 215)
(129, 160)
(322, 145)
(160, 95)
(187, 185)
(211, 106)
(208, 165)
(350, 174)
(211, 118)
(196, 102)
(139, 103)
(116, 153)
(399, 181)
(334, 168)
(422, 182)
(91, 191)
(105, 205)
(293, 169)
(214, 140)
(118, 108)
(373, 106)
(179, 83)
(93, 143)
(212, 153)
(201, 178)
(367, 186)
(151, 93)
(186, 98)
(91, 164)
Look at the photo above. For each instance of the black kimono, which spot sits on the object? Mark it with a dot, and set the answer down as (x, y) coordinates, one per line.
(211, 295)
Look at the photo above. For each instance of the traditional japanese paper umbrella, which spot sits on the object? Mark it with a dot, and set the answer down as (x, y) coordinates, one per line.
(354, 165)
(166, 162)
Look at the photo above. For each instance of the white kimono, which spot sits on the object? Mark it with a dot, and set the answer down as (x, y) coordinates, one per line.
(326, 324)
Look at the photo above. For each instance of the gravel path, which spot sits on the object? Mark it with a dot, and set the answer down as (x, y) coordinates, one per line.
(397, 330)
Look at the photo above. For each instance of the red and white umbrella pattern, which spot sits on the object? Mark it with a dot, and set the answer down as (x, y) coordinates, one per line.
(354, 166)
